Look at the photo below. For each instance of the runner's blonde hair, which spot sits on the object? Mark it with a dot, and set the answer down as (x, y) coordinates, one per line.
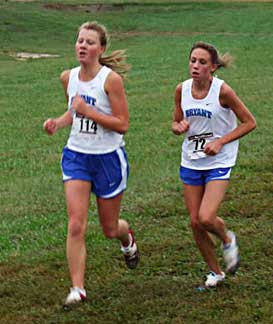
(117, 59)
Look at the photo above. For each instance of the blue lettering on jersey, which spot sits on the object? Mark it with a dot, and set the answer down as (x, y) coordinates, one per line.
(198, 112)
(89, 100)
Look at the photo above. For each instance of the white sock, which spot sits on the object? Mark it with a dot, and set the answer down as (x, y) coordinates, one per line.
(126, 249)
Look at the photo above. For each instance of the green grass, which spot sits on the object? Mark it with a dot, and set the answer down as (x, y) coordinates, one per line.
(33, 272)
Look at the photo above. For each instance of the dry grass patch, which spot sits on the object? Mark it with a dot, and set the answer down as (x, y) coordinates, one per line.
(27, 55)
(99, 7)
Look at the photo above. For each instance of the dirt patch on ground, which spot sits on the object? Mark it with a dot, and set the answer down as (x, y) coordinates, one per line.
(85, 8)
(19, 0)
(101, 7)
(22, 56)
(191, 33)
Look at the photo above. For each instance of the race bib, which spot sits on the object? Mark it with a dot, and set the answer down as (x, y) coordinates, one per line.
(197, 144)
(85, 125)
(88, 126)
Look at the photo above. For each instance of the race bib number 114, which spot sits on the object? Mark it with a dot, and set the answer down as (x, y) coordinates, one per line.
(88, 126)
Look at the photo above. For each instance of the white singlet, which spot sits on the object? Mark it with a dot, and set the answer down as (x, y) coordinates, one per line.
(87, 136)
(208, 121)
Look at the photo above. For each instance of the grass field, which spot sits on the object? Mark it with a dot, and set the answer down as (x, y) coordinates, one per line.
(157, 35)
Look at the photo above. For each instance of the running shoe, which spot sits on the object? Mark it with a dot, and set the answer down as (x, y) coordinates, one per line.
(231, 254)
(131, 253)
(213, 279)
(75, 296)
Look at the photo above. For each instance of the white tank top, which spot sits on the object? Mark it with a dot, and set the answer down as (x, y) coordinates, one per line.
(86, 136)
(208, 121)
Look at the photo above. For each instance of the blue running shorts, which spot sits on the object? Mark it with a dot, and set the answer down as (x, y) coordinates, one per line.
(108, 173)
(202, 177)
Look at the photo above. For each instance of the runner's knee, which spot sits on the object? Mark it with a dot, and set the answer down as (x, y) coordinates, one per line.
(206, 220)
(76, 228)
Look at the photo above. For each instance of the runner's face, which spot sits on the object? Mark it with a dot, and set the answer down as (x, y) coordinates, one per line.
(200, 64)
(88, 47)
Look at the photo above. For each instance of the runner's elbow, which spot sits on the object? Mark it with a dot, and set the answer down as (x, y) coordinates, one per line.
(253, 124)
